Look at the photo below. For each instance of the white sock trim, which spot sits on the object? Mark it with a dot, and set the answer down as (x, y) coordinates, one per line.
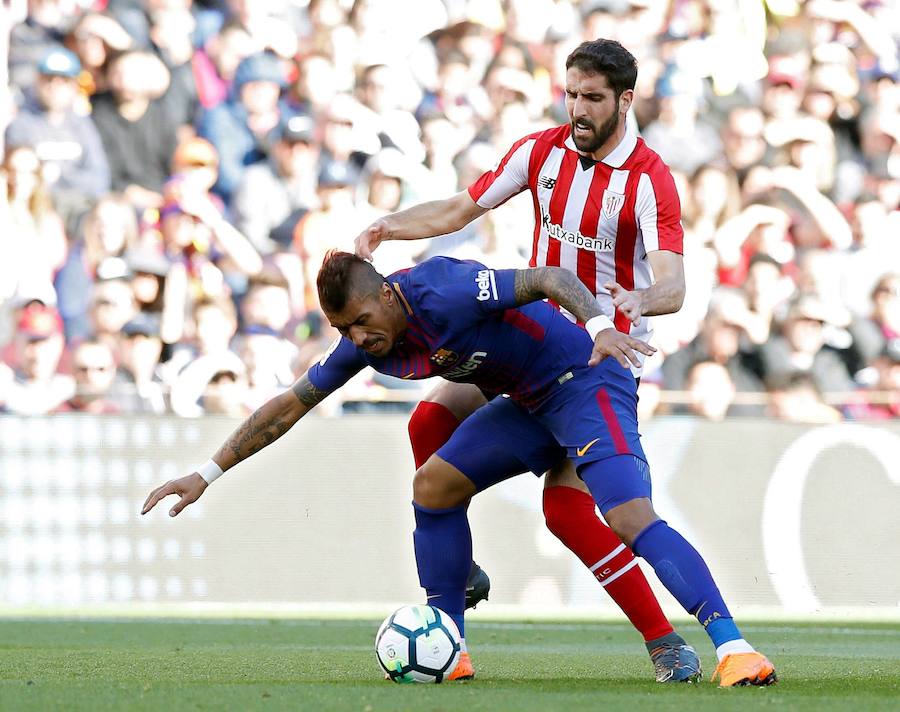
(733, 647)
(612, 555)
(625, 569)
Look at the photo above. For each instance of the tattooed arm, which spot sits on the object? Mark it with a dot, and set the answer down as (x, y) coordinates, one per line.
(560, 285)
(564, 288)
(270, 421)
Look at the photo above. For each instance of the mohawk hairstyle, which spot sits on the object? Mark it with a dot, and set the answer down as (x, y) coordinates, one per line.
(343, 276)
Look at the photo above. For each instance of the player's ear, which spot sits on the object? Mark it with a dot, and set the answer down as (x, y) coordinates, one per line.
(625, 100)
(387, 294)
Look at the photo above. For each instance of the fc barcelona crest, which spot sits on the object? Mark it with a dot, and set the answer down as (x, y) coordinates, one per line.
(612, 203)
(444, 357)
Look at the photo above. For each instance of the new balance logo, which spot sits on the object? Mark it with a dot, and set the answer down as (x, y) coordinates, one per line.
(546, 182)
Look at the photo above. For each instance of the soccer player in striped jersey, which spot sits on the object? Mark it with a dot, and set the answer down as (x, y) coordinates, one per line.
(569, 389)
(605, 207)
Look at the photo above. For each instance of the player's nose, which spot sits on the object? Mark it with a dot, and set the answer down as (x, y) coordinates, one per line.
(357, 336)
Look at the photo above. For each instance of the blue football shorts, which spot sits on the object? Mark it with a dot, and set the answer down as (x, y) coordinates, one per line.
(591, 417)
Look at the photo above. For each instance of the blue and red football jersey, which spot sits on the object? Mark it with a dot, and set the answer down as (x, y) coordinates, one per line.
(464, 325)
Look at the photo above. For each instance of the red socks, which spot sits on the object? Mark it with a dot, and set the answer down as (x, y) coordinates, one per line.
(570, 516)
(430, 426)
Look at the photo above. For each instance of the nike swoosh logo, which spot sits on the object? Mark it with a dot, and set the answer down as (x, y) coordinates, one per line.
(409, 375)
(580, 451)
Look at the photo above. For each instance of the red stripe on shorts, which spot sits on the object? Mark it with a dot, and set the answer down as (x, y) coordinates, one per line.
(612, 422)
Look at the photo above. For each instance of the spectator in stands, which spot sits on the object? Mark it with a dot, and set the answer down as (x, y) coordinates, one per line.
(68, 145)
(871, 335)
(137, 387)
(172, 26)
(743, 142)
(242, 128)
(215, 63)
(888, 384)
(226, 392)
(209, 351)
(29, 41)
(195, 166)
(767, 290)
(196, 234)
(381, 89)
(95, 37)
(801, 347)
(269, 359)
(714, 198)
(94, 369)
(32, 385)
(760, 228)
(108, 230)
(348, 134)
(719, 341)
(275, 193)
(710, 389)
(794, 397)
(112, 306)
(684, 141)
(33, 240)
(138, 132)
(316, 85)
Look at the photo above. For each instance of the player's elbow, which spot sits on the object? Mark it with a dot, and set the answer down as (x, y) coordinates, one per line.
(678, 296)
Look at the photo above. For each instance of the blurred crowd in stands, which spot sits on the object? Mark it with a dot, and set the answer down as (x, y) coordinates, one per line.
(173, 172)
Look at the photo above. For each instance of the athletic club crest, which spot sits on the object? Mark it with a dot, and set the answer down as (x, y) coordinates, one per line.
(444, 357)
(612, 203)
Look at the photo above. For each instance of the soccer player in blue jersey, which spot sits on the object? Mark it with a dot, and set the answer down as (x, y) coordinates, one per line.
(566, 392)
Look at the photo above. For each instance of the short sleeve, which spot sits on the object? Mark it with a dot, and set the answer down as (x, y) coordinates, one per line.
(658, 211)
(509, 178)
(340, 363)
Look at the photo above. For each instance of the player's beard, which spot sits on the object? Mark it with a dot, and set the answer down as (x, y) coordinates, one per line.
(601, 135)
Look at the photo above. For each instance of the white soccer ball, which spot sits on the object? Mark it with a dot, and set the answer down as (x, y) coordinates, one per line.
(418, 644)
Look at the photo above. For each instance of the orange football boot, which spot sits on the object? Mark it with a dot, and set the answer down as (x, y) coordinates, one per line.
(739, 669)
(464, 669)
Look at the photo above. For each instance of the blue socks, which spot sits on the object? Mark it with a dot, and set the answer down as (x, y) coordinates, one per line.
(683, 571)
(443, 544)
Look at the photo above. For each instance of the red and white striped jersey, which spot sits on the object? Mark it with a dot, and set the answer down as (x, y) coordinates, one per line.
(598, 219)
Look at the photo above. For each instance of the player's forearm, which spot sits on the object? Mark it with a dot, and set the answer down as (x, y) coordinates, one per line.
(436, 217)
(560, 285)
(665, 296)
(270, 421)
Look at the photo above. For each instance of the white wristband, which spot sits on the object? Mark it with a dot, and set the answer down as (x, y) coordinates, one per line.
(599, 323)
(210, 471)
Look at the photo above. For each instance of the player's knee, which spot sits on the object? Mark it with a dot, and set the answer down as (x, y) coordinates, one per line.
(630, 519)
(434, 490)
(438, 485)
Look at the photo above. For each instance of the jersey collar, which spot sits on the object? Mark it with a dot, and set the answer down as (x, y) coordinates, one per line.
(621, 152)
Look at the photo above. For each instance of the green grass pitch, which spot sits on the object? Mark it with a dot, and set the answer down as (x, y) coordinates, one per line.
(300, 664)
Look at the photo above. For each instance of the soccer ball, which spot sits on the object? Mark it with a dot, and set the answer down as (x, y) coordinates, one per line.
(418, 644)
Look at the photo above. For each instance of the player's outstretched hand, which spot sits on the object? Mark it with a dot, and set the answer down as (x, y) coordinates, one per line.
(622, 347)
(189, 488)
(629, 303)
(370, 238)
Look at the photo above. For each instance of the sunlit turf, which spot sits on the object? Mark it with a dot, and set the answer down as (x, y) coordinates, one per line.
(329, 665)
